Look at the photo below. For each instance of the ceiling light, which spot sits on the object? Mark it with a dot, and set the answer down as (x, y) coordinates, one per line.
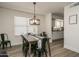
(34, 20)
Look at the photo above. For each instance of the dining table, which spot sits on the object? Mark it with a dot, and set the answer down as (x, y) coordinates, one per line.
(33, 39)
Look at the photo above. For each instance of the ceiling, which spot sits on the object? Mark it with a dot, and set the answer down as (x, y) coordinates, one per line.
(42, 8)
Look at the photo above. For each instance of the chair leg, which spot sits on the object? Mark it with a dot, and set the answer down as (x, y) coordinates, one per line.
(10, 44)
(0, 45)
(3, 46)
(46, 54)
(25, 52)
(39, 53)
(6, 45)
(23, 48)
(34, 53)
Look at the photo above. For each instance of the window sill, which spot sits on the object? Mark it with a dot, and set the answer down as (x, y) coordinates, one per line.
(17, 35)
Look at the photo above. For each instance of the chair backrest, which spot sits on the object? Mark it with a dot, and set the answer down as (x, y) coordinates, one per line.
(44, 40)
(4, 36)
(25, 41)
(43, 34)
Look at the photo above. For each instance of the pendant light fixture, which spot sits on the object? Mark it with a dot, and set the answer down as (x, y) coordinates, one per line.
(34, 20)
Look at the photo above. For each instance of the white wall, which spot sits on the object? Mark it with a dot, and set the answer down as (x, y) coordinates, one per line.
(71, 32)
(48, 25)
(7, 23)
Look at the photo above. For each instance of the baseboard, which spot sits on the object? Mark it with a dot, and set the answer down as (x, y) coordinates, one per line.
(71, 48)
(58, 39)
(16, 44)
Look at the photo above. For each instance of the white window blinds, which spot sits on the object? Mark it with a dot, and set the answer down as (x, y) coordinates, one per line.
(22, 26)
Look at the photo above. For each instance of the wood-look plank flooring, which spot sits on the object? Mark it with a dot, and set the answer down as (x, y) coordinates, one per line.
(57, 50)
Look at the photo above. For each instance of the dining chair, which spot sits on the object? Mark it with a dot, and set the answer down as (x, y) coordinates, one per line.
(3, 53)
(4, 40)
(41, 51)
(25, 45)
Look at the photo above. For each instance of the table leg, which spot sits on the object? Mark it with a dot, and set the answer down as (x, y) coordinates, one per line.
(49, 48)
(29, 49)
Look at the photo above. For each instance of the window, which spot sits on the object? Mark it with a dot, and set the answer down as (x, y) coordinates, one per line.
(22, 26)
(58, 24)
